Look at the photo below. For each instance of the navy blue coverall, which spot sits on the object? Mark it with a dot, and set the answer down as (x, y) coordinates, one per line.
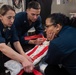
(22, 26)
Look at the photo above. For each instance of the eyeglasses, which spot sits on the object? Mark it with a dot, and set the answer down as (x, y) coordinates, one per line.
(48, 26)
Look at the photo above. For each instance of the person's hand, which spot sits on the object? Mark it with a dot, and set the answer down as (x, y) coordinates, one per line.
(51, 36)
(27, 65)
(39, 41)
(28, 58)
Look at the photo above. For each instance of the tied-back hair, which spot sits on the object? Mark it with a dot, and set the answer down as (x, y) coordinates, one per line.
(59, 18)
(73, 22)
(34, 5)
(5, 8)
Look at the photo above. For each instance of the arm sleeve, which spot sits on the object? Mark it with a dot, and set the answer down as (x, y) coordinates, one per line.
(14, 37)
(18, 24)
(38, 26)
(54, 55)
(22, 40)
(2, 40)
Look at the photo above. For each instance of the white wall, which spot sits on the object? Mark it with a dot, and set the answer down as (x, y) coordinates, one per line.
(65, 8)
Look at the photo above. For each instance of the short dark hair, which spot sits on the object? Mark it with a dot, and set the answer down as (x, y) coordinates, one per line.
(5, 8)
(34, 5)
